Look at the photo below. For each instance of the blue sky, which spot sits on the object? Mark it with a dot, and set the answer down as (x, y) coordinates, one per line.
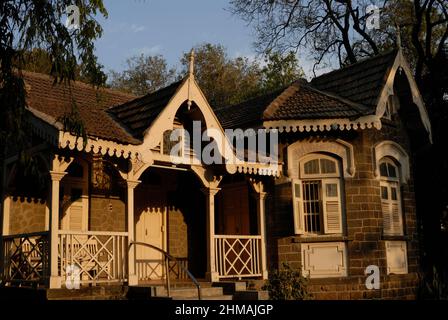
(169, 27)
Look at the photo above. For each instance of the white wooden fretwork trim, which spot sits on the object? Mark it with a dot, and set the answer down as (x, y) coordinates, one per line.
(366, 122)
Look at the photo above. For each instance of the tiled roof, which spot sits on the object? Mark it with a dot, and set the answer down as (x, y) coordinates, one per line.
(137, 115)
(360, 82)
(247, 113)
(55, 100)
(300, 101)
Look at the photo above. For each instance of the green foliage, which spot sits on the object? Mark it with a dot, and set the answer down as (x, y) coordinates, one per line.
(143, 75)
(37, 28)
(280, 71)
(287, 284)
(435, 285)
(224, 80)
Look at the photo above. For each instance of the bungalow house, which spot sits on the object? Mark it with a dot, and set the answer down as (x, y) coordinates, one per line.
(335, 197)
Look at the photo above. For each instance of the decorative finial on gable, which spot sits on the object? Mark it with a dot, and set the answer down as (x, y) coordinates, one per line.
(398, 37)
(191, 66)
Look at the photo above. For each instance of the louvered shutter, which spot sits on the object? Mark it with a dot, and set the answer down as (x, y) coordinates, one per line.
(391, 208)
(298, 207)
(332, 207)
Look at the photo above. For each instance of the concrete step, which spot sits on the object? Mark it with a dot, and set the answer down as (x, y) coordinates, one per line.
(106, 292)
(222, 297)
(230, 287)
(189, 292)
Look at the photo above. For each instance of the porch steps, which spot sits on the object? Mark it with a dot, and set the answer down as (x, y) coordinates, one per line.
(177, 292)
(110, 292)
(228, 290)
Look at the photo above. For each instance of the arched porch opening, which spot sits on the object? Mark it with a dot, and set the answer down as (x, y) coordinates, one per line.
(170, 214)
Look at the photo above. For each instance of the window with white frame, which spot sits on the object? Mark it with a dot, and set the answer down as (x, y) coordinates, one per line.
(317, 196)
(390, 197)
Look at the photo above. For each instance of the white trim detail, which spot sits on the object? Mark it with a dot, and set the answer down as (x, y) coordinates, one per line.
(338, 147)
(372, 121)
(396, 257)
(394, 150)
(324, 259)
(388, 90)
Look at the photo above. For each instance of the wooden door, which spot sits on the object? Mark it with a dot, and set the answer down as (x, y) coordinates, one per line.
(150, 229)
(235, 209)
(74, 207)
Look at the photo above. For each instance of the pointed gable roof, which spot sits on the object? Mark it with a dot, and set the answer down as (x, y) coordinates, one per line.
(137, 115)
(361, 82)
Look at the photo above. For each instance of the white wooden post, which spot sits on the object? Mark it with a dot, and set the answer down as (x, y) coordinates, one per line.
(6, 214)
(55, 279)
(261, 196)
(211, 275)
(132, 275)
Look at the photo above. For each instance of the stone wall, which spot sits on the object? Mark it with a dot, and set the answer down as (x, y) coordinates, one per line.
(363, 230)
(177, 234)
(27, 215)
(107, 214)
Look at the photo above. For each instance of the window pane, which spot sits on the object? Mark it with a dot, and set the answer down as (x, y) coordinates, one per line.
(312, 167)
(332, 190)
(384, 193)
(392, 170)
(312, 205)
(327, 166)
(393, 192)
(383, 170)
(297, 190)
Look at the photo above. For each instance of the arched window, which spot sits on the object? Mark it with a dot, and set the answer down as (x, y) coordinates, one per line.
(317, 196)
(390, 197)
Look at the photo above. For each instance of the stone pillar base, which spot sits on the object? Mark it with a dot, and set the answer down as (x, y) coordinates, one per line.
(133, 280)
(55, 282)
(212, 276)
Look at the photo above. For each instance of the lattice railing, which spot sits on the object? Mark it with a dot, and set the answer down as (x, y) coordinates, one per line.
(150, 269)
(99, 256)
(238, 256)
(25, 259)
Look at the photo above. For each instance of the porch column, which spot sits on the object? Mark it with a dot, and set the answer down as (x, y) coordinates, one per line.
(261, 196)
(210, 193)
(55, 279)
(132, 276)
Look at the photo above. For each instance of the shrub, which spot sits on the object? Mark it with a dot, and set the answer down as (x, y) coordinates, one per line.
(287, 284)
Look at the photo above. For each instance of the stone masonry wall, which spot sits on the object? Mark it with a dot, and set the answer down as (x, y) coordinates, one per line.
(107, 214)
(364, 238)
(27, 215)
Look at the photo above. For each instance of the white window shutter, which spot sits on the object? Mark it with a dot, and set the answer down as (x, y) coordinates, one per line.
(397, 221)
(298, 207)
(386, 208)
(332, 205)
(391, 208)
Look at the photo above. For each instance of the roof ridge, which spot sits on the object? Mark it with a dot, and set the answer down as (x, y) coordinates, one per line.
(179, 82)
(282, 97)
(358, 106)
(382, 54)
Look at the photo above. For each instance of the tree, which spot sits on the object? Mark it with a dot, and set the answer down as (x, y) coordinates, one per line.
(29, 24)
(143, 75)
(39, 60)
(280, 71)
(343, 29)
(225, 81)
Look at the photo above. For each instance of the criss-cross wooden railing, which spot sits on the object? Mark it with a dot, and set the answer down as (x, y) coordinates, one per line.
(238, 256)
(99, 256)
(25, 259)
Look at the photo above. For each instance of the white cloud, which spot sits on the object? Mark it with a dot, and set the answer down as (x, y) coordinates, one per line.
(136, 28)
(147, 50)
